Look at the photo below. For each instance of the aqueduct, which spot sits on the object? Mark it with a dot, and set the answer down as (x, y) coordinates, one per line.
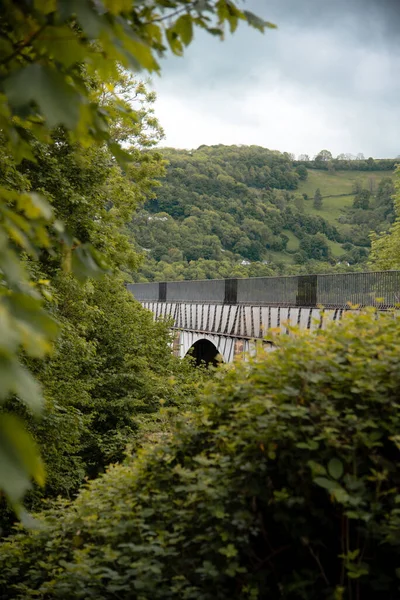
(225, 316)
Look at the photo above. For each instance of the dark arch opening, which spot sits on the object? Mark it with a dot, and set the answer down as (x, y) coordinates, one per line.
(204, 351)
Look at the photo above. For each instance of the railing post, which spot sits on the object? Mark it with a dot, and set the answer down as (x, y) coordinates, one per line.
(230, 291)
(306, 290)
(162, 291)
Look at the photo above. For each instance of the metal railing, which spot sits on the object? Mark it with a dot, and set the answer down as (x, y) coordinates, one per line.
(379, 288)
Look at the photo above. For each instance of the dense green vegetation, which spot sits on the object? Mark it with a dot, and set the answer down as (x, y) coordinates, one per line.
(272, 478)
(284, 483)
(246, 211)
(62, 87)
(385, 247)
(346, 162)
(111, 364)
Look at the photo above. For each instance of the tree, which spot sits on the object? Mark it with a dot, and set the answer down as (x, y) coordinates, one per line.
(317, 199)
(361, 200)
(385, 192)
(106, 371)
(385, 247)
(357, 187)
(372, 184)
(302, 172)
(315, 246)
(53, 59)
(323, 156)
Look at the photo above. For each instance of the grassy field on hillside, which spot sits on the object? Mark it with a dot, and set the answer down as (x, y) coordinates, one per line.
(335, 248)
(333, 204)
(294, 242)
(282, 257)
(332, 184)
(331, 209)
(339, 182)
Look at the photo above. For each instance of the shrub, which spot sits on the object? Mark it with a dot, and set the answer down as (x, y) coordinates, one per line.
(109, 373)
(284, 484)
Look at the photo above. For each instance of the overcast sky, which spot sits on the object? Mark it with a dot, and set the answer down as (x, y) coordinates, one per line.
(328, 77)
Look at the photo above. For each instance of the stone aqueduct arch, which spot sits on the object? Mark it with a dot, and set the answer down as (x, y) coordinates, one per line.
(227, 347)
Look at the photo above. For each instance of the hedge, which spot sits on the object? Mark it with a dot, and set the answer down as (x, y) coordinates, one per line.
(284, 484)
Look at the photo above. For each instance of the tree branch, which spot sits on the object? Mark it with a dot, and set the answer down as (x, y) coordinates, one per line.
(20, 47)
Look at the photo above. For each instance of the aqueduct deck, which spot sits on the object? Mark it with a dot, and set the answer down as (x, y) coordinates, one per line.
(229, 313)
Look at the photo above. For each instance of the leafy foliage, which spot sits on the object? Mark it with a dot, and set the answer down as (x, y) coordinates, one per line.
(57, 62)
(49, 51)
(345, 162)
(283, 484)
(111, 365)
(385, 248)
(24, 326)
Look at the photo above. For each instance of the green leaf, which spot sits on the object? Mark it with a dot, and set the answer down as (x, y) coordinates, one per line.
(28, 389)
(233, 15)
(19, 459)
(15, 379)
(37, 328)
(39, 206)
(141, 54)
(358, 570)
(174, 41)
(335, 468)
(328, 484)
(311, 445)
(91, 22)
(61, 43)
(216, 31)
(352, 554)
(184, 26)
(57, 100)
(316, 468)
(45, 6)
(121, 156)
(229, 551)
(352, 514)
(87, 262)
(256, 22)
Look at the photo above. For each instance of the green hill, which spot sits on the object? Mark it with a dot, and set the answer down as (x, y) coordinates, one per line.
(337, 190)
(339, 182)
(225, 211)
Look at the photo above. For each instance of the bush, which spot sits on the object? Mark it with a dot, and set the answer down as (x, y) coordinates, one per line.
(284, 484)
(109, 373)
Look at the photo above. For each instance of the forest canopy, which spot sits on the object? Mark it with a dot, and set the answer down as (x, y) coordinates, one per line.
(224, 211)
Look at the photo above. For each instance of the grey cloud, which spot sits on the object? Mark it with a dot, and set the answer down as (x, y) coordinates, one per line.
(339, 56)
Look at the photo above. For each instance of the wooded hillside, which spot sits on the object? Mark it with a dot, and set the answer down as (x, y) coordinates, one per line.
(245, 210)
